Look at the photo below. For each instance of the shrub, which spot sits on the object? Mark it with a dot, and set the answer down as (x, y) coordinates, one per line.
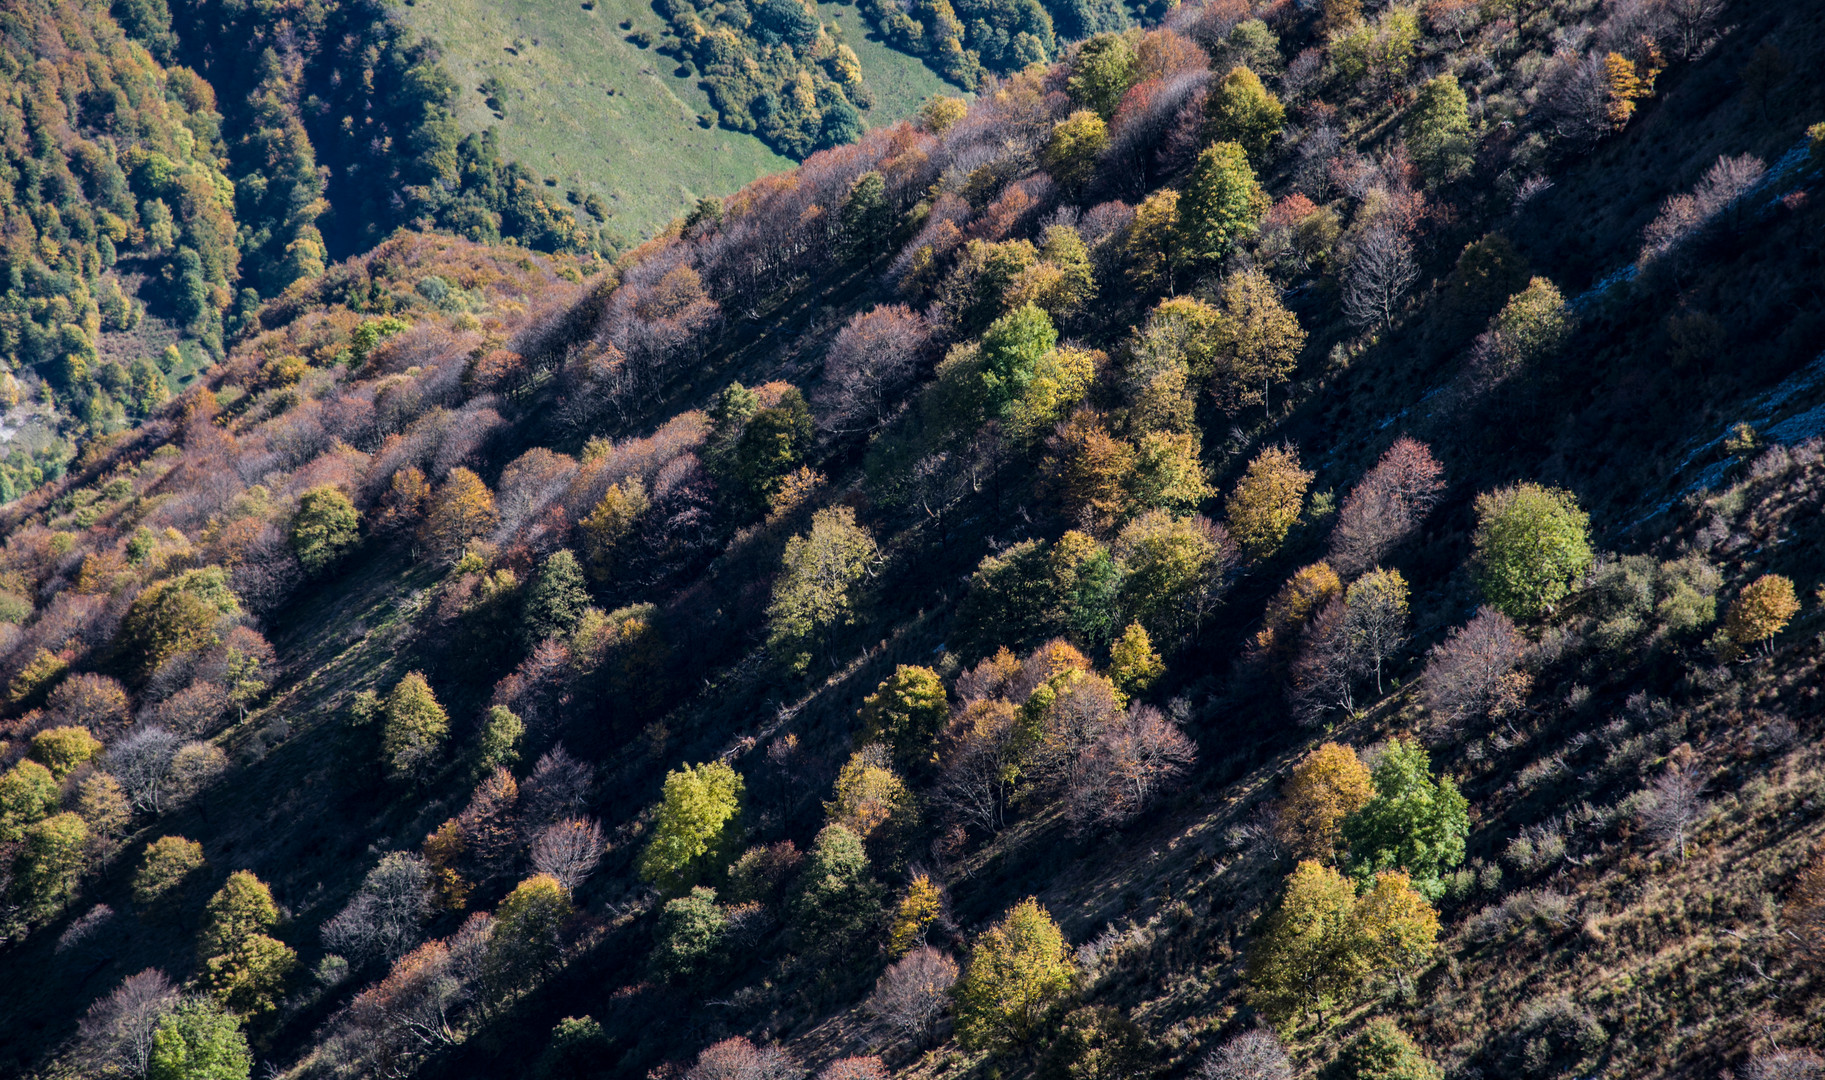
(1384, 1052)
(1252, 1055)
(1097, 1042)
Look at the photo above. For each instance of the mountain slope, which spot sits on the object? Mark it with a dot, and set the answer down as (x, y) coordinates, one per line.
(903, 569)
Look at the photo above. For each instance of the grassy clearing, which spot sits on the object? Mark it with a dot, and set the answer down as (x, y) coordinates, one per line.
(587, 107)
(901, 83)
(596, 113)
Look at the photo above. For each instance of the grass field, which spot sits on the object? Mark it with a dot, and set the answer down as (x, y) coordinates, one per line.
(591, 110)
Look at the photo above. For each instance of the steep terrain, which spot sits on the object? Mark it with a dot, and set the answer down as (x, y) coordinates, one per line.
(1345, 546)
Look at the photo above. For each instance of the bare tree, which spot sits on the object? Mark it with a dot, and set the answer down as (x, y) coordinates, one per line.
(978, 752)
(1386, 507)
(1672, 807)
(869, 366)
(854, 1068)
(116, 1033)
(1252, 1055)
(386, 914)
(1576, 99)
(557, 789)
(142, 764)
(1323, 675)
(1128, 766)
(912, 994)
(739, 1059)
(1692, 24)
(1472, 673)
(1379, 273)
(568, 850)
(1685, 214)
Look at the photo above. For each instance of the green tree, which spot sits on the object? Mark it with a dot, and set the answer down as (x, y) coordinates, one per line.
(816, 591)
(611, 524)
(499, 745)
(169, 862)
(1414, 823)
(528, 930)
(1384, 1052)
(1102, 71)
(1240, 110)
(772, 444)
(1438, 130)
(199, 1040)
(241, 908)
(51, 862)
(1072, 150)
(28, 794)
(177, 615)
(555, 601)
(691, 938)
(867, 218)
(698, 825)
(1532, 547)
(906, 712)
(1309, 953)
(1011, 351)
(1019, 970)
(324, 528)
(64, 749)
(1532, 327)
(250, 977)
(1171, 567)
(1256, 341)
(1267, 501)
(416, 726)
(1220, 205)
(838, 900)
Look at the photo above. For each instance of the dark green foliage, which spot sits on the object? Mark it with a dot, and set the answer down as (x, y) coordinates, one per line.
(773, 442)
(1101, 72)
(838, 901)
(770, 71)
(1010, 599)
(867, 216)
(555, 600)
(691, 937)
(578, 1050)
(1097, 1042)
(325, 527)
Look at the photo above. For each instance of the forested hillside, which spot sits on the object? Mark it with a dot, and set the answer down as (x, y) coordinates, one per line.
(1287, 543)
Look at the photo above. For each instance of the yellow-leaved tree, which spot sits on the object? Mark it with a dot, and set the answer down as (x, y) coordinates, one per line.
(1019, 969)
(1327, 786)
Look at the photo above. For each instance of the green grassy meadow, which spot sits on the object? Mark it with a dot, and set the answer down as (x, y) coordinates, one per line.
(594, 112)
